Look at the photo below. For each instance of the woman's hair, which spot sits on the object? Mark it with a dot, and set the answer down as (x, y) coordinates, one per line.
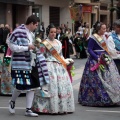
(97, 26)
(2, 25)
(49, 27)
(117, 23)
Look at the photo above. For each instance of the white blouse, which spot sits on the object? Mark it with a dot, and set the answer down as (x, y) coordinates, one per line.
(17, 48)
(111, 48)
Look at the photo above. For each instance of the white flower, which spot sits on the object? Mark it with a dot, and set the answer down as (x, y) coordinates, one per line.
(107, 62)
(38, 40)
(66, 32)
(106, 59)
(69, 61)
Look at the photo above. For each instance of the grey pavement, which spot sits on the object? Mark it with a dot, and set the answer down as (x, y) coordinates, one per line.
(81, 112)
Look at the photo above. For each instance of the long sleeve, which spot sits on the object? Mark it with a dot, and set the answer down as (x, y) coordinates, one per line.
(91, 45)
(111, 48)
(18, 41)
(17, 48)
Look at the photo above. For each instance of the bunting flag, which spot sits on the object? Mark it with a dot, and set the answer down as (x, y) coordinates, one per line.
(74, 12)
(87, 9)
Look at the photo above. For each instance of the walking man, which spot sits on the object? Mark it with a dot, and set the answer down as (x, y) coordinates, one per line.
(20, 43)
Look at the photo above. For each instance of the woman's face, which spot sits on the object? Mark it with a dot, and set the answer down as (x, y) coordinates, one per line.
(102, 30)
(117, 29)
(52, 33)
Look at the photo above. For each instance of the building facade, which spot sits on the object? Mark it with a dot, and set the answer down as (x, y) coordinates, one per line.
(14, 11)
(55, 11)
(100, 10)
(49, 11)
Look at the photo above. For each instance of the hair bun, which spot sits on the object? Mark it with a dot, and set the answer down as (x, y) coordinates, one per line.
(96, 24)
(49, 27)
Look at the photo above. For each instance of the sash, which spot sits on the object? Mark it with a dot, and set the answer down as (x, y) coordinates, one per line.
(101, 41)
(54, 52)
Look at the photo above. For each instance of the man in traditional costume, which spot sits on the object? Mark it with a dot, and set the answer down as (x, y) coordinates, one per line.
(20, 43)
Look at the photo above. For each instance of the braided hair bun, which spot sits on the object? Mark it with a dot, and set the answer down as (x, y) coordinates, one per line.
(49, 27)
(97, 26)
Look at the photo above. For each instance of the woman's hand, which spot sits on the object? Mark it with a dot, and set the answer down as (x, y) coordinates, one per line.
(98, 60)
(118, 52)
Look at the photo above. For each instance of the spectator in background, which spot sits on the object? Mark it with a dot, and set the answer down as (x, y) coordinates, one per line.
(63, 28)
(6, 31)
(16, 25)
(76, 45)
(69, 35)
(1, 33)
(42, 30)
(59, 33)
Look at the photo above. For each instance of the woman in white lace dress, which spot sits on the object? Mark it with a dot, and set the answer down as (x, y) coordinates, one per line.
(61, 99)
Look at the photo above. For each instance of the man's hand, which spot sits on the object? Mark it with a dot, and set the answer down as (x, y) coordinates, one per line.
(31, 47)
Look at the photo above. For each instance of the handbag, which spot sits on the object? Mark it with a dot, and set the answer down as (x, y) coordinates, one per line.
(43, 92)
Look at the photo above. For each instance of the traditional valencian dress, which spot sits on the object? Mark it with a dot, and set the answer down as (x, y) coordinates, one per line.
(6, 86)
(99, 88)
(60, 89)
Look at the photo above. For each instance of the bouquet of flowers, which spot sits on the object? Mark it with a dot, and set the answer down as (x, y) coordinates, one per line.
(104, 60)
(2, 48)
(62, 37)
(7, 60)
(79, 43)
(69, 61)
(70, 67)
(37, 42)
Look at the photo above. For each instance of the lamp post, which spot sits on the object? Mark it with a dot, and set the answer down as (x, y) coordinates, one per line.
(111, 15)
(97, 8)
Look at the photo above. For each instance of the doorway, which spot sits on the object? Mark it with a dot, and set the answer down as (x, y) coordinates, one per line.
(54, 15)
(93, 19)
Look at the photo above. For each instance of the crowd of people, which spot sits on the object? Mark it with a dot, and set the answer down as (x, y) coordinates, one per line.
(39, 66)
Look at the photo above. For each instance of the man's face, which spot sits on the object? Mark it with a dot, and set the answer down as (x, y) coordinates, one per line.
(33, 26)
(58, 31)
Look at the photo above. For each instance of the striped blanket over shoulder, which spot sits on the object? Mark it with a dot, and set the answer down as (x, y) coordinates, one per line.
(20, 60)
(42, 69)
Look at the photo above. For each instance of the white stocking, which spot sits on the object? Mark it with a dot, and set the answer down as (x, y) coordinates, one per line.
(29, 99)
(15, 94)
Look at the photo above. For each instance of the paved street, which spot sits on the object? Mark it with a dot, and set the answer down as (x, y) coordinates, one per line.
(81, 112)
